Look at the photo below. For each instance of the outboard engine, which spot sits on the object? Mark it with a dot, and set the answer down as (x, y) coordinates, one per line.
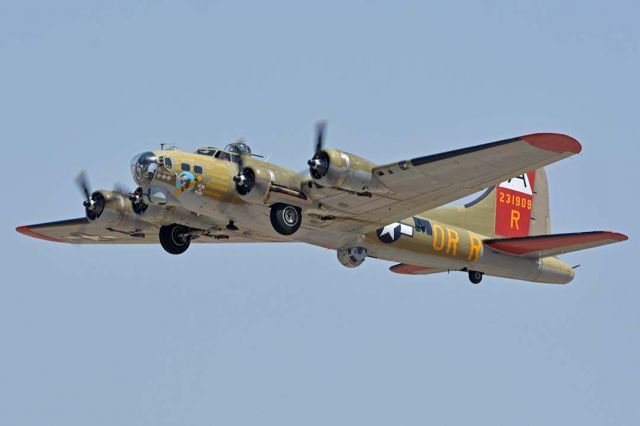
(338, 169)
(341, 170)
(107, 207)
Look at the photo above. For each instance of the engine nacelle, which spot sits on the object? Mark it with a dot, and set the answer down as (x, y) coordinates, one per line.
(257, 184)
(113, 209)
(108, 208)
(352, 257)
(338, 169)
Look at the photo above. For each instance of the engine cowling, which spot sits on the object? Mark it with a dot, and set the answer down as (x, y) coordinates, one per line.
(112, 209)
(352, 257)
(339, 169)
(109, 208)
(255, 185)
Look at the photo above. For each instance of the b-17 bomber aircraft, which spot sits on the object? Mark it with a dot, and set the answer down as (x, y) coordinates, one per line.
(394, 211)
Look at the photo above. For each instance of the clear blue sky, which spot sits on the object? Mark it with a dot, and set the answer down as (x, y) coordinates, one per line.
(283, 334)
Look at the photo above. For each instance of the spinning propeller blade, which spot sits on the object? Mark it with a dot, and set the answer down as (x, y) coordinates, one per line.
(83, 183)
(319, 163)
(321, 127)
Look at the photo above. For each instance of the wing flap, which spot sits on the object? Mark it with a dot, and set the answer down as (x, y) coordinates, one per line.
(553, 245)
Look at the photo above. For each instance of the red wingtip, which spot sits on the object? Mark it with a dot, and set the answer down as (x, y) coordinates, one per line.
(23, 230)
(555, 142)
(616, 236)
(31, 233)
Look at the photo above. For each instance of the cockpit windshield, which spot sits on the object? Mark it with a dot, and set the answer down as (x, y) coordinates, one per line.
(206, 151)
(144, 167)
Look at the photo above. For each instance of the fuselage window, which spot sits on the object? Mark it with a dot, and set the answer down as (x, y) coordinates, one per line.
(197, 169)
(167, 163)
(186, 167)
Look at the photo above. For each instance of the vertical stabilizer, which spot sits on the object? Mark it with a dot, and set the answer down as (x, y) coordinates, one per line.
(518, 207)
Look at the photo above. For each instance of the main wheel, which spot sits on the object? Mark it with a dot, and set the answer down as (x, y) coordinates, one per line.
(175, 238)
(475, 277)
(285, 219)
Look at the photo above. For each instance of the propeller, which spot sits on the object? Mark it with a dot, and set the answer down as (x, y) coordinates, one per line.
(321, 127)
(319, 163)
(93, 202)
(245, 179)
(83, 183)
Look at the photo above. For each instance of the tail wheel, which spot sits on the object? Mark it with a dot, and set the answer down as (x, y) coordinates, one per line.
(475, 277)
(285, 219)
(175, 239)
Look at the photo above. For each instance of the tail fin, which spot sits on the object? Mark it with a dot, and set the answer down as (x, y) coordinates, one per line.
(518, 207)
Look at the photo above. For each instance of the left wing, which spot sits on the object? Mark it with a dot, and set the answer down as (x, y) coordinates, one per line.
(424, 183)
(83, 231)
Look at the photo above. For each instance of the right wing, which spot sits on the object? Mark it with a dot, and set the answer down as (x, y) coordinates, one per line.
(424, 183)
(83, 231)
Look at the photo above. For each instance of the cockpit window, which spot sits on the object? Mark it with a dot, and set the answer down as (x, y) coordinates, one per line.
(235, 158)
(206, 151)
(221, 155)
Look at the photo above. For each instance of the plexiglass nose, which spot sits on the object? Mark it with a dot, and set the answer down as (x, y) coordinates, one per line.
(144, 167)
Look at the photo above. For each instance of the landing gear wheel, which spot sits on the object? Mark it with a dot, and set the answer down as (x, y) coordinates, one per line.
(285, 219)
(174, 239)
(475, 277)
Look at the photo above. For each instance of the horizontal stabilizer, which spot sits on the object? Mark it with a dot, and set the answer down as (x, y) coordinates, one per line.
(406, 269)
(553, 245)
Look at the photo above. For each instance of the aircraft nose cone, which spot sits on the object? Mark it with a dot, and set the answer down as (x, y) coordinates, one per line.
(144, 167)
